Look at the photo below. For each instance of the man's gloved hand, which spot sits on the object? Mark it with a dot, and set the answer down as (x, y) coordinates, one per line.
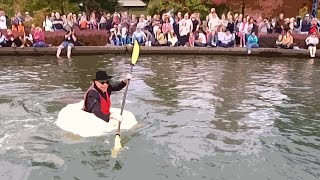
(116, 116)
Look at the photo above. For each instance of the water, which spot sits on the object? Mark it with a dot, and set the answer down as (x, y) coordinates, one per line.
(199, 118)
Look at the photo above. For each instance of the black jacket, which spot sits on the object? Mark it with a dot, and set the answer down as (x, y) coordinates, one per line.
(93, 100)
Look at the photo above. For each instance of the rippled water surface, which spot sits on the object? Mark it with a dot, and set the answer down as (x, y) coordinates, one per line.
(200, 117)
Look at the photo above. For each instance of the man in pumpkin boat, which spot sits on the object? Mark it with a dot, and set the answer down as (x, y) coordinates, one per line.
(97, 97)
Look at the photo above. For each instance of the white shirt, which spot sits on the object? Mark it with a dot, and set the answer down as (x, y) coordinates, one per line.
(203, 38)
(312, 40)
(243, 28)
(3, 22)
(227, 39)
(221, 36)
(185, 26)
(47, 24)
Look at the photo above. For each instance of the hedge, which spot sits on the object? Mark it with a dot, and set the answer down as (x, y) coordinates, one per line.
(85, 37)
(100, 38)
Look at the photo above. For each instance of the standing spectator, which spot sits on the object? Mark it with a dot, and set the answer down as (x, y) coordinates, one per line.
(108, 22)
(103, 22)
(243, 30)
(262, 26)
(224, 21)
(305, 24)
(3, 40)
(3, 20)
(312, 41)
(83, 23)
(47, 24)
(279, 27)
(27, 17)
(195, 23)
(93, 23)
(166, 26)
(314, 26)
(185, 27)
(68, 43)
(57, 22)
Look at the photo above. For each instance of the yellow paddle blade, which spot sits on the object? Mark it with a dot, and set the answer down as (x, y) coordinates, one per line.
(135, 52)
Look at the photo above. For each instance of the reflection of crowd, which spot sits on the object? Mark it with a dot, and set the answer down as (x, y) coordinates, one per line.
(228, 30)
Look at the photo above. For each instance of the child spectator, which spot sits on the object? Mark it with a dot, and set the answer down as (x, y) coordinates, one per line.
(312, 41)
(252, 41)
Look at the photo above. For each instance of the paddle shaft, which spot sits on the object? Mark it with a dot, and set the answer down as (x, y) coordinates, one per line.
(124, 99)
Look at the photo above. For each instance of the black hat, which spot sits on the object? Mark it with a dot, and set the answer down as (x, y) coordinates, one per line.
(102, 75)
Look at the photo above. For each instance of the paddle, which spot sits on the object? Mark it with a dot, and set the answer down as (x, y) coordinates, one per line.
(134, 59)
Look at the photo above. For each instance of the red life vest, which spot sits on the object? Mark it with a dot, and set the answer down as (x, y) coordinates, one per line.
(104, 104)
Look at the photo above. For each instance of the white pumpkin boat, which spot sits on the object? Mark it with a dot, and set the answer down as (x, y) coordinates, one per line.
(73, 119)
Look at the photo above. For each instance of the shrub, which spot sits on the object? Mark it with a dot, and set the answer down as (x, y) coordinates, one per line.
(269, 40)
(85, 37)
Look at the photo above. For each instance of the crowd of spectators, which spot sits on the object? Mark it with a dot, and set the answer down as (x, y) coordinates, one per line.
(168, 29)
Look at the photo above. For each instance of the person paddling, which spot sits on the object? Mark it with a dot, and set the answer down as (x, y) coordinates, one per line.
(97, 97)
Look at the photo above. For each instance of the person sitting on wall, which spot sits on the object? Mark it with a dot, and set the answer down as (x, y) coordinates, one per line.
(312, 41)
(287, 40)
(70, 40)
(279, 41)
(252, 41)
(139, 35)
(227, 40)
(201, 40)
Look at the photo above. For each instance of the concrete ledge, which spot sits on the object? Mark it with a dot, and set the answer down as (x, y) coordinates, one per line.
(123, 50)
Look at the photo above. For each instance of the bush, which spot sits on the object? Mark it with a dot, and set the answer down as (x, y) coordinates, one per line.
(269, 40)
(85, 37)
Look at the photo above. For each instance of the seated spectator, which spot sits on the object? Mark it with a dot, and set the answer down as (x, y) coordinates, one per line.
(124, 35)
(160, 37)
(212, 39)
(287, 41)
(11, 40)
(3, 40)
(201, 40)
(138, 35)
(312, 41)
(227, 40)
(149, 37)
(191, 39)
(252, 41)
(113, 39)
(47, 24)
(38, 38)
(172, 38)
(27, 39)
(279, 41)
(21, 27)
(70, 40)
(220, 35)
